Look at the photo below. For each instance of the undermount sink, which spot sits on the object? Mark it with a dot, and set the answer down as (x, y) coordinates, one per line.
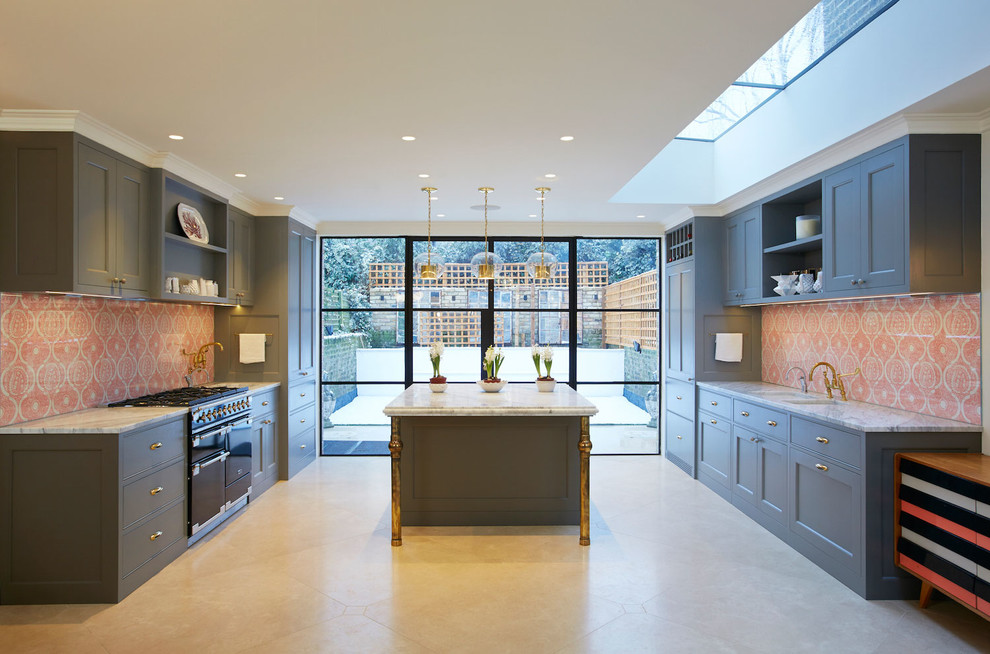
(810, 400)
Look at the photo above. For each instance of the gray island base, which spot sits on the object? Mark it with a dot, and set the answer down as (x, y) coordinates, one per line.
(466, 457)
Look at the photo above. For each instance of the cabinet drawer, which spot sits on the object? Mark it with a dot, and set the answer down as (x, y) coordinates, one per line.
(302, 449)
(148, 539)
(838, 444)
(680, 438)
(146, 449)
(680, 397)
(264, 403)
(302, 420)
(760, 419)
(302, 394)
(720, 405)
(151, 492)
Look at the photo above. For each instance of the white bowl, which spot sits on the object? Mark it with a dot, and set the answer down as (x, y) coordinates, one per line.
(492, 387)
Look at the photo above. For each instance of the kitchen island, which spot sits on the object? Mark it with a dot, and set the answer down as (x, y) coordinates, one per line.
(466, 457)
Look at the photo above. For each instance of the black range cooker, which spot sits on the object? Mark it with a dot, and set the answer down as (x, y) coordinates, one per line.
(219, 448)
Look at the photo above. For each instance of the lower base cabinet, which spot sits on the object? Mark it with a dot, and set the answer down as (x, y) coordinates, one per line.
(680, 442)
(826, 491)
(264, 445)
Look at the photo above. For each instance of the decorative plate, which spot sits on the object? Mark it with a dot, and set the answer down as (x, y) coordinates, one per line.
(192, 224)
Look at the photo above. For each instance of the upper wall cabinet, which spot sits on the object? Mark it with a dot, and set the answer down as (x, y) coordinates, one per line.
(77, 216)
(240, 249)
(903, 218)
(743, 257)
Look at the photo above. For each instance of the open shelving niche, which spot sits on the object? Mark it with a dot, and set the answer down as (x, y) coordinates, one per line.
(783, 252)
(183, 257)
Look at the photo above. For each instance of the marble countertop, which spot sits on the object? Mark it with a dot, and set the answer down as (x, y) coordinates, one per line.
(853, 415)
(470, 400)
(253, 387)
(97, 421)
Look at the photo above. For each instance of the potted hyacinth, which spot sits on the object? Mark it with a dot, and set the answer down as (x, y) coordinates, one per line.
(438, 383)
(493, 361)
(544, 383)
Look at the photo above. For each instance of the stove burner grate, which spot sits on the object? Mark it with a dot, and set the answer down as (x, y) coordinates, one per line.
(191, 396)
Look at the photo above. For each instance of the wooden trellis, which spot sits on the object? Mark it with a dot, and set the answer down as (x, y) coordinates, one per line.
(590, 274)
(625, 329)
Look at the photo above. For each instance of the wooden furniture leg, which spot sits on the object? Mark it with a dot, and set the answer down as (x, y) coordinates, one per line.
(926, 594)
(395, 447)
(584, 445)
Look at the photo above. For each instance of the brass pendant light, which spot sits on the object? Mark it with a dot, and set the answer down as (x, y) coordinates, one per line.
(542, 264)
(485, 264)
(429, 265)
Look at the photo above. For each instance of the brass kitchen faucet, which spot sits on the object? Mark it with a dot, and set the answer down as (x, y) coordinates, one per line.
(836, 382)
(198, 360)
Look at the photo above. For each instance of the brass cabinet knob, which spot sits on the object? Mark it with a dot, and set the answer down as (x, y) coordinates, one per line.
(123, 280)
(302, 395)
(155, 491)
(752, 438)
(714, 422)
(679, 437)
(304, 373)
(303, 446)
(156, 535)
(822, 467)
(772, 423)
(156, 446)
(265, 403)
(822, 440)
(714, 403)
(744, 414)
(679, 397)
(302, 420)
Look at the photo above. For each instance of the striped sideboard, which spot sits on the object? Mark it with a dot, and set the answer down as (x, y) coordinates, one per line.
(943, 525)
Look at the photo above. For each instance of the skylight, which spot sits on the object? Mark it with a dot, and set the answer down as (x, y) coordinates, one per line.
(827, 26)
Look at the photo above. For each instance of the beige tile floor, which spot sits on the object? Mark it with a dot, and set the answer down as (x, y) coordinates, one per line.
(672, 568)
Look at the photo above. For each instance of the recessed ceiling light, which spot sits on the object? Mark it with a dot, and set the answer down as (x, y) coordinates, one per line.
(566, 138)
(408, 138)
(423, 175)
(441, 215)
(550, 175)
(176, 137)
(641, 216)
(240, 174)
(532, 215)
(279, 197)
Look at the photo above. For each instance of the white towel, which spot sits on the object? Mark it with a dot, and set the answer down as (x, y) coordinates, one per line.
(252, 348)
(728, 347)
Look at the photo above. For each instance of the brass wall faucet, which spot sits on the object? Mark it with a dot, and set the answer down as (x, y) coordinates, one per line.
(836, 382)
(198, 361)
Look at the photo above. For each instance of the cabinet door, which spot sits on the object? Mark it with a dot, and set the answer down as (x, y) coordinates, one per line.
(771, 489)
(679, 297)
(745, 464)
(240, 246)
(269, 448)
(713, 449)
(257, 459)
(95, 217)
(133, 227)
(743, 257)
(825, 507)
(884, 222)
(680, 441)
(842, 232)
(302, 303)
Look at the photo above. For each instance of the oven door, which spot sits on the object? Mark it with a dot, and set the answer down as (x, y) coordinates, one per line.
(238, 465)
(206, 491)
(207, 444)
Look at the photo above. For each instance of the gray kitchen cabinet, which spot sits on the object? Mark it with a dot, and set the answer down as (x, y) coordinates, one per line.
(264, 434)
(89, 517)
(693, 314)
(285, 306)
(713, 452)
(81, 214)
(743, 257)
(240, 257)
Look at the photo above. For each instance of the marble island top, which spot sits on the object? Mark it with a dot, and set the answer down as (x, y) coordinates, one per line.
(853, 415)
(470, 400)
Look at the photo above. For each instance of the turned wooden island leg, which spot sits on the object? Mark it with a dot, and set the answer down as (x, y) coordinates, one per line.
(395, 447)
(584, 445)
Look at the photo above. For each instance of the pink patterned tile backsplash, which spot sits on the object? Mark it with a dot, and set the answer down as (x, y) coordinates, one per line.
(60, 354)
(920, 354)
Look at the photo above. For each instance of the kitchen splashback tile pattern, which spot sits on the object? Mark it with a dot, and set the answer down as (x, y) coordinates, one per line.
(60, 354)
(920, 354)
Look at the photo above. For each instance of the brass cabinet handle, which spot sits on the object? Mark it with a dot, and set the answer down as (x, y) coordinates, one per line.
(302, 395)
(679, 437)
(155, 491)
(679, 397)
(265, 403)
(772, 423)
(744, 414)
(302, 420)
(822, 467)
(714, 403)
(304, 373)
(157, 445)
(821, 439)
(303, 446)
(714, 422)
(752, 438)
(156, 535)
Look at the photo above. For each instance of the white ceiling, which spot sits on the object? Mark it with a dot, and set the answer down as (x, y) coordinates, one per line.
(310, 97)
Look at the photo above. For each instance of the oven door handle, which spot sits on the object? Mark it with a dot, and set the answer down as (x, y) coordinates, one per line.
(199, 466)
